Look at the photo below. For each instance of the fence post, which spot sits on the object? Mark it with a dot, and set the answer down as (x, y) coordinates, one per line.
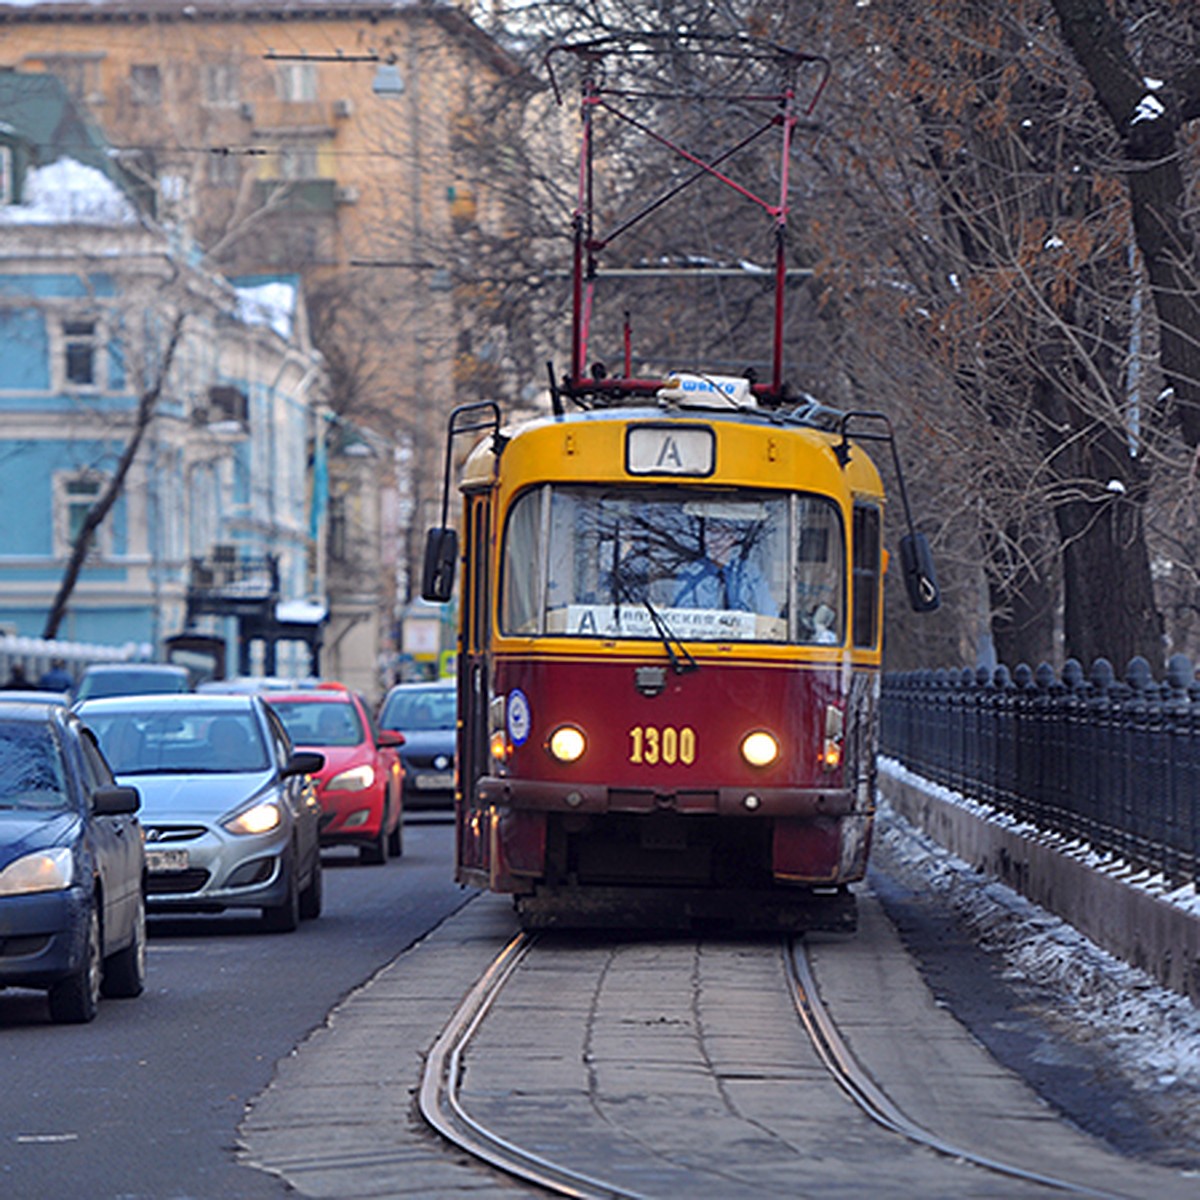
(1182, 720)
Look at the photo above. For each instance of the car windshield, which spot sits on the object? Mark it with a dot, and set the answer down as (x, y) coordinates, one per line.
(181, 742)
(710, 566)
(31, 768)
(419, 709)
(320, 723)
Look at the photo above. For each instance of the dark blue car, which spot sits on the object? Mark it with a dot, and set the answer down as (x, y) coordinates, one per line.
(427, 715)
(72, 874)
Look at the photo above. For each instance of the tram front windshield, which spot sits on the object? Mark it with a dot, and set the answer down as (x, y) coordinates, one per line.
(712, 566)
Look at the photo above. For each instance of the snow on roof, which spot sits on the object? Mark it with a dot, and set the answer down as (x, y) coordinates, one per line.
(272, 304)
(300, 612)
(68, 193)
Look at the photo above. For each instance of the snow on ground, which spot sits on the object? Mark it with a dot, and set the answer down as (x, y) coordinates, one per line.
(1149, 1036)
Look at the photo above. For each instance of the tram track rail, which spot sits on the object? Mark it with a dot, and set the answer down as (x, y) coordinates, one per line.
(858, 1084)
(441, 1105)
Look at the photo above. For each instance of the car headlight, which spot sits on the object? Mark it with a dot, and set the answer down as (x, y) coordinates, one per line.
(45, 871)
(356, 779)
(262, 818)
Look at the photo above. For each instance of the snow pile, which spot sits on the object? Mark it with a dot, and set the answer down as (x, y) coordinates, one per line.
(1150, 1035)
(68, 193)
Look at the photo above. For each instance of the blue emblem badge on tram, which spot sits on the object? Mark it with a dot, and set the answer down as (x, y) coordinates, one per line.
(518, 717)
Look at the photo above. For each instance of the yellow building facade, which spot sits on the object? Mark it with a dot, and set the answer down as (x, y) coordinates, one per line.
(319, 141)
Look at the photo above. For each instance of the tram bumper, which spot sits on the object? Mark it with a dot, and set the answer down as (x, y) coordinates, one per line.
(758, 803)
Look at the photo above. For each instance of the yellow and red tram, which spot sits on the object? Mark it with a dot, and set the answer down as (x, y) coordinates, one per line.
(646, 731)
(671, 607)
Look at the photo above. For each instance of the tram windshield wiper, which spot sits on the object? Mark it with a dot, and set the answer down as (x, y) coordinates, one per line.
(681, 663)
(679, 655)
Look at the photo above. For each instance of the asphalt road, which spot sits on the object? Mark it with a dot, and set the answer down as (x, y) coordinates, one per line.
(145, 1101)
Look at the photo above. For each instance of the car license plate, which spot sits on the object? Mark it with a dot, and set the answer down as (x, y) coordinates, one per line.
(440, 781)
(166, 860)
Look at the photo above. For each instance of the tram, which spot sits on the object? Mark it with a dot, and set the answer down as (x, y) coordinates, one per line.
(671, 608)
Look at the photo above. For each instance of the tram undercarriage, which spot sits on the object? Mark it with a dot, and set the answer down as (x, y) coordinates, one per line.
(674, 872)
(777, 910)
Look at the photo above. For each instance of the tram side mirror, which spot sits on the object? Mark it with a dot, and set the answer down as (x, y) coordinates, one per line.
(916, 561)
(441, 556)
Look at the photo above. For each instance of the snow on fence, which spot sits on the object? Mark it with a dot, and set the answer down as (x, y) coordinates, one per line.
(1111, 762)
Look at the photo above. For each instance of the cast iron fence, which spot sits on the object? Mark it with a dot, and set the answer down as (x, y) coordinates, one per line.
(1107, 761)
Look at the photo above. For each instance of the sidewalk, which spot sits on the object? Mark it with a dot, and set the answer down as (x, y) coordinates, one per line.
(340, 1118)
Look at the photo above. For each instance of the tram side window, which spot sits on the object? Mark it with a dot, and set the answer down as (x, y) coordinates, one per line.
(866, 574)
(820, 558)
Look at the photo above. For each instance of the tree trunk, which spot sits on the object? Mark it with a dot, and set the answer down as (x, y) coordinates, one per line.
(1149, 127)
(1022, 604)
(1109, 608)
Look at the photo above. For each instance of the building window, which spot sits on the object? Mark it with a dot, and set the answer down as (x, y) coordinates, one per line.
(75, 496)
(297, 82)
(223, 170)
(81, 352)
(337, 528)
(222, 86)
(78, 73)
(145, 84)
(298, 162)
(227, 403)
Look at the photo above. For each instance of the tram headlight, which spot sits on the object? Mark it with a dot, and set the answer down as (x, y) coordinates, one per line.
(567, 744)
(760, 748)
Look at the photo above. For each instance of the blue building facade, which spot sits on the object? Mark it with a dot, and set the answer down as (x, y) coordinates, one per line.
(111, 336)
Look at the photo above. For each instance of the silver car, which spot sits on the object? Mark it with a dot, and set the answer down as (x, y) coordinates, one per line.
(229, 811)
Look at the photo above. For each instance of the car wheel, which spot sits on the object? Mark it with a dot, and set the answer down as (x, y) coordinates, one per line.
(377, 851)
(313, 896)
(285, 917)
(396, 840)
(125, 971)
(75, 1000)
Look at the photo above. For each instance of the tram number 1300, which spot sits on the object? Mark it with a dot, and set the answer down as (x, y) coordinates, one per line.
(651, 745)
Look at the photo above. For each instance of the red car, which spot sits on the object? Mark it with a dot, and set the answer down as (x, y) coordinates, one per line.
(361, 785)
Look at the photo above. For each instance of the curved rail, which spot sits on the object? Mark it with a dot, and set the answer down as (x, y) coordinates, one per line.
(440, 1105)
(854, 1080)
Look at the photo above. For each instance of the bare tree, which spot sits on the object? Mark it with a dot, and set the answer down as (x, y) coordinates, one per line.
(144, 414)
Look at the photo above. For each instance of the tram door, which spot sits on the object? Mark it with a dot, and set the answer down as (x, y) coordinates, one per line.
(474, 685)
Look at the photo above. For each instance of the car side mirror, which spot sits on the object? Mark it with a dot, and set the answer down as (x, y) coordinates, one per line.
(916, 562)
(391, 737)
(304, 762)
(116, 801)
(441, 557)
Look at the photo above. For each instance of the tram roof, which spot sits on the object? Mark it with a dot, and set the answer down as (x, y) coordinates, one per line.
(811, 424)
